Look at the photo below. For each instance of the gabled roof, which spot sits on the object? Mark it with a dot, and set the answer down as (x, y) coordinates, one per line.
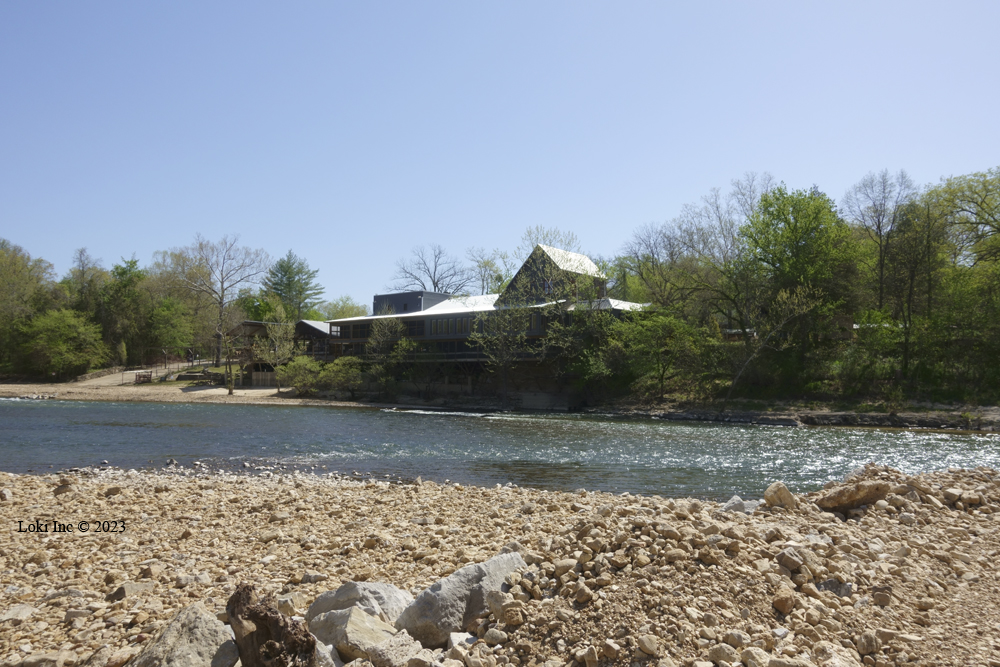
(320, 327)
(573, 262)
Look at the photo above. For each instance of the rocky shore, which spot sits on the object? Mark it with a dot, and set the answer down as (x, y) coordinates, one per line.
(882, 569)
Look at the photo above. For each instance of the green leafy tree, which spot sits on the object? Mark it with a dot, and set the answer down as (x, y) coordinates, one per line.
(294, 283)
(84, 282)
(25, 286)
(124, 308)
(63, 343)
(170, 327)
(278, 347)
(972, 203)
(343, 374)
(387, 351)
(501, 335)
(341, 307)
(663, 352)
(304, 373)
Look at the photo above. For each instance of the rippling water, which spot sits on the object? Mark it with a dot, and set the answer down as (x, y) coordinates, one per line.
(554, 452)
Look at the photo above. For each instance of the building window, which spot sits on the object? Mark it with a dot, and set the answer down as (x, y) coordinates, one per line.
(547, 286)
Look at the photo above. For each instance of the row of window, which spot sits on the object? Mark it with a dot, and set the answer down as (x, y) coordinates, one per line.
(439, 327)
(453, 325)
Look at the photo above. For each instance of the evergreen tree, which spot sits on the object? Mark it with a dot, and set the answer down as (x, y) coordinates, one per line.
(291, 280)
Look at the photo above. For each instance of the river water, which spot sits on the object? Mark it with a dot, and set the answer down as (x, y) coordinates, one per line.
(546, 451)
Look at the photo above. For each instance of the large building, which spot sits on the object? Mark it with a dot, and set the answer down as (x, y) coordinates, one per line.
(440, 324)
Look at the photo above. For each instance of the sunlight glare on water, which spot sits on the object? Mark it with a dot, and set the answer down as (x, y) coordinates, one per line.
(546, 451)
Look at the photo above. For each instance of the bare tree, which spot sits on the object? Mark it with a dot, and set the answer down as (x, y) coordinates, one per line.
(492, 269)
(875, 204)
(550, 236)
(218, 270)
(432, 270)
(702, 251)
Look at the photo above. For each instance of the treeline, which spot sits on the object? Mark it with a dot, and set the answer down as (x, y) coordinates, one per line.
(183, 303)
(893, 293)
(772, 292)
(765, 291)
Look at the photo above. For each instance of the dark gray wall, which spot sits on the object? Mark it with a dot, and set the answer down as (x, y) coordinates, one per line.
(406, 302)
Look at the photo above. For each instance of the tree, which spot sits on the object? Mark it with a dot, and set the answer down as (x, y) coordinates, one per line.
(660, 350)
(550, 236)
(124, 309)
(914, 262)
(218, 270)
(501, 335)
(431, 270)
(279, 346)
(292, 281)
(492, 270)
(24, 284)
(84, 282)
(342, 374)
(386, 350)
(170, 326)
(303, 373)
(341, 307)
(972, 203)
(786, 307)
(875, 204)
(62, 342)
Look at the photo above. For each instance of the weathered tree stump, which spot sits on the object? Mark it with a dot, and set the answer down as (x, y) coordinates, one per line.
(267, 638)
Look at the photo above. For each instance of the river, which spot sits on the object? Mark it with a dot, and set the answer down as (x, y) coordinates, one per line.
(546, 451)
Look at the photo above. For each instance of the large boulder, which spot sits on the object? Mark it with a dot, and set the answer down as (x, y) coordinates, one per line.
(778, 495)
(382, 600)
(194, 638)
(351, 631)
(844, 497)
(452, 603)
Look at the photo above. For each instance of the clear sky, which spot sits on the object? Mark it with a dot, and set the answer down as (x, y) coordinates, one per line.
(351, 132)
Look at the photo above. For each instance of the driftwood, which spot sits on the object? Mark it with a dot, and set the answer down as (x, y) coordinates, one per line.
(267, 638)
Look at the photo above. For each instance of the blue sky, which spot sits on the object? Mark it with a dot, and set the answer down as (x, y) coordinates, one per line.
(351, 132)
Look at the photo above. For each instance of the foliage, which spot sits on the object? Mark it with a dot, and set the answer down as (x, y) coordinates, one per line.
(303, 373)
(278, 346)
(217, 271)
(123, 307)
(342, 374)
(972, 203)
(339, 308)
(387, 352)
(294, 283)
(62, 343)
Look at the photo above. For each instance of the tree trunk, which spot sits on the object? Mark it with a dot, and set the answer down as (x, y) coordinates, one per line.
(267, 638)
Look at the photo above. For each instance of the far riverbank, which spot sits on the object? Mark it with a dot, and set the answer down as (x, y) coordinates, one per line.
(937, 417)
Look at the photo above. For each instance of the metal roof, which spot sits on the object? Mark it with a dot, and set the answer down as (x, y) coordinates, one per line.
(573, 262)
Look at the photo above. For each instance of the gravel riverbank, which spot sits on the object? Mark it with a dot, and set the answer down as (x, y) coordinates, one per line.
(909, 578)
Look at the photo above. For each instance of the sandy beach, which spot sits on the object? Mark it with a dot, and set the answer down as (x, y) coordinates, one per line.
(620, 580)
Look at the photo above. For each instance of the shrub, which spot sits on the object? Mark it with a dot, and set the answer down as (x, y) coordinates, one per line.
(303, 373)
(343, 374)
